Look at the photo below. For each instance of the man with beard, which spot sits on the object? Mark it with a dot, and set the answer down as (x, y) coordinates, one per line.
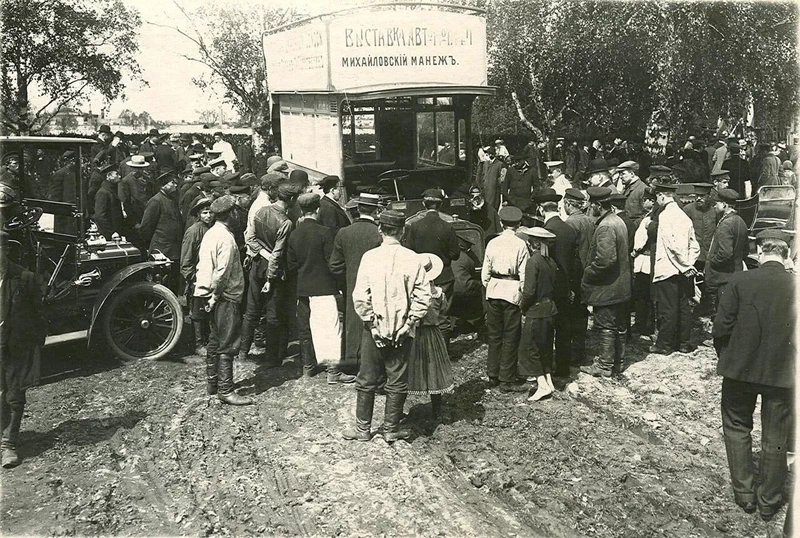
(107, 209)
(190, 252)
(519, 183)
(729, 246)
(482, 214)
(349, 247)
(162, 227)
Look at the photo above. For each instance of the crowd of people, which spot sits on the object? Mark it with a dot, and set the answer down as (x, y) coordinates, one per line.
(371, 295)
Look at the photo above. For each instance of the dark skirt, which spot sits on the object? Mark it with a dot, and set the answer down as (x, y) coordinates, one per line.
(429, 370)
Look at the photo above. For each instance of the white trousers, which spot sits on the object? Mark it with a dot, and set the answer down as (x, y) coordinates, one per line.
(326, 330)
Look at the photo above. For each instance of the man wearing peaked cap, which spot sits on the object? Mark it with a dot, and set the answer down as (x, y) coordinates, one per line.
(107, 208)
(729, 245)
(161, 227)
(755, 339)
(503, 276)
(218, 166)
(349, 246)
(633, 189)
(518, 184)
(331, 214)
(190, 252)
(391, 296)
(574, 203)
(704, 220)
(721, 180)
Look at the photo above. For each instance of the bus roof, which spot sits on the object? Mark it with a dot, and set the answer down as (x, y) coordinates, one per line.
(46, 140)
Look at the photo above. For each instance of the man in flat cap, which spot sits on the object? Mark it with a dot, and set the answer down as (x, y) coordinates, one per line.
(349, 246)
(428, 233)
(481, 213)
(107, 209)
(161, 227)
(391, 296)
(575, 202)
(754, 335)
(190, 252)
(729, 246)
(606, 284)
(503, 276)
(331, 214)
(673, 274)
(219, 287)
(268, 279)
(318, 327)
(633, 190)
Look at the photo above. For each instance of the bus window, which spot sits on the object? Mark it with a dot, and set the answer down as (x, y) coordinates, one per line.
(462, 140)
(436, 138)
(366, 139)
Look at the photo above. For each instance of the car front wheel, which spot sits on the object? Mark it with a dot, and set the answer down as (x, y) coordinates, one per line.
(143, 321)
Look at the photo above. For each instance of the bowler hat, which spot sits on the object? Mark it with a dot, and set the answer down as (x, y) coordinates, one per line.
(308, 201)
(393, 218)
(546, 195)
(299, 176)
(223, 204)
(166, 176)
(104, 129)
(154, 132)
(432, 195)
(510, 214)
(199, 205)
(328, 182)
(108, 168)
(596, 165)
(186, 137)
(119, 134)
(433, 265)
(728, 195)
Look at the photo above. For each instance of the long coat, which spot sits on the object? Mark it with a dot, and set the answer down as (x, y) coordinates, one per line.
(349, 247)
(607, 279)
(564, 255)
(332, 215)
(108, 211)
(754, 328)
(728, 249)
(433, 235)
(23, 328)
(162, 226)
(518, 187)
(491, 184)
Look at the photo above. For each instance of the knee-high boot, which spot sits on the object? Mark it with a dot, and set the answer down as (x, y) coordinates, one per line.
(392, 415)
(212, 363)
(365, 403)
(225, 391)
(200, 337)
(620, 341)
(604, 362)
(308, 357)
(11, 434)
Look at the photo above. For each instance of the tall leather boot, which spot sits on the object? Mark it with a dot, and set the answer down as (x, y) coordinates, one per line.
(212, 363)
(392, 415)
(603, 364)
(619, 353)
(226, 393)
(308, 357)
(200, 338)
(365, 402)
(11, 435)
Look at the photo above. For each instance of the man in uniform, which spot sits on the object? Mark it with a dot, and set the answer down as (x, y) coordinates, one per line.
(391, 296)
(728, 248)
(331, 214)
(518, 184)
(23, 329)
(349, 247)
(633, 190)
(503, 276)
(754, 335)
(430, 234)
(107, 209)
(606, 284)
(721, 180)
(219, 287)
(162, 226)
(574, 202)
(673, 274)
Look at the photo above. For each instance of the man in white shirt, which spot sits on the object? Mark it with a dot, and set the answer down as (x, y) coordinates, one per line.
(225, 149)
(677, 250)
(503, 276)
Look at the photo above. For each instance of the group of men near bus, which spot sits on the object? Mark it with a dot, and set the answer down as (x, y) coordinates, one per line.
(265, 260)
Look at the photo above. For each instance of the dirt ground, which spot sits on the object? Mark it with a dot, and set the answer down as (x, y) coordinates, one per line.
(139, 449)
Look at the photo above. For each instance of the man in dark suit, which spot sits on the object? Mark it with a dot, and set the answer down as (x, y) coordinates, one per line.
(574, 202)
(738, 168)
(754, 334)
(729, 246)
(426, 232)
(23, 329)
(349, 246)
(564, 253)
(162, 227)
(318, 328)
(331, 214)
(107, 208)
(483, 214)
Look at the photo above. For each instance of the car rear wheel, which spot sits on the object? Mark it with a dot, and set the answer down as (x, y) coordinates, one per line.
(143, 321)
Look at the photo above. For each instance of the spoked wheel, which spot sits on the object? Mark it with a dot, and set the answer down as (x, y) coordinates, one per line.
(143, 321)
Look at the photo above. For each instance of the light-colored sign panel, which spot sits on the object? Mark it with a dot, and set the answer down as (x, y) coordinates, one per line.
(297, 59)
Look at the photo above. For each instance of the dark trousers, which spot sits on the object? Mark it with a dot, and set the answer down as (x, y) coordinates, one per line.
(563, 339)
(254, 308)
(279, 309)
(642, 303)
(383, 367)
(226, 328)
(738, 405)
(536, 347)
(578, 320)
(611, 317)
(445, 325)
(503, 321)
(12, 407)
(674, 311)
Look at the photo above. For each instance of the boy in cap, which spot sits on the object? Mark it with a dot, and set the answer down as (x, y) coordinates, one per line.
(318, 327)
(190, 251)
(219, 286)
(729, 246)
(391, 296)
(754, 335)
(503, 276)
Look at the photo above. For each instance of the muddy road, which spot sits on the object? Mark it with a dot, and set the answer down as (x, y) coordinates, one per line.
(139, 449)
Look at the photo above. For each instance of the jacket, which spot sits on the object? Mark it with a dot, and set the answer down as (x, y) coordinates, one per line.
(607, 278)
(564, 254)
(517, 188)
(134, 193)
(676, 247)
(704, 222)
(272, 227)
(107, 211)
(492, 182)
(538, 294)
(166, 158)
(754, 331)
(739, 171)
(162, 226)
(310, 248)
(332, 215)
(487, 218)
(728, 249)
(431, 234)
(190, 249)
(23, 327)
(633, 205)
(584, 231)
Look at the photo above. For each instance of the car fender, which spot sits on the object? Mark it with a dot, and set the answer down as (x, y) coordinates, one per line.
(109, 287)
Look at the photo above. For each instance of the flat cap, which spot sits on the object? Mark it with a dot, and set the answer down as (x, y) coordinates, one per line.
(239, 189)
(575, 194)
(702, 188)
(200, 204)
(660, 170)
(728, 195)
(287, 189)
(598, 194)
(434, 195)
(664, 187)
(223, 204)
(629, 165)
(219, 161)
(510, 214)
(272, 159)
(720, 174)
(249, 179)
(278, 166)
(394, 218)
(271, 180)
(108, 168)
(617, 199)
(308, 201)
(366, 198)
(546, 195)
(537, 231)
(774, 233)
(231, 176)
(201, 170)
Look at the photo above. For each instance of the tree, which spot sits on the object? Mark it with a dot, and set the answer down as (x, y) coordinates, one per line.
(62, 49)
(208, 116)
(230, 47)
